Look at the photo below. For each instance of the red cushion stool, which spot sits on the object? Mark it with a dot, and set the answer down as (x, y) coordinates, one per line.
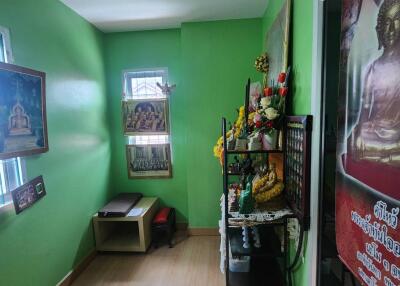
(163, 225)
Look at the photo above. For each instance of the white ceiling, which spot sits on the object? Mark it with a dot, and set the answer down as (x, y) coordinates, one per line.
(134, 15)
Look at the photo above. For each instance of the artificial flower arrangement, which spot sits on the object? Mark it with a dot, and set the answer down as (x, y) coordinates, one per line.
(266, 110)
(270, 110)
(266, 114)
(268, 107)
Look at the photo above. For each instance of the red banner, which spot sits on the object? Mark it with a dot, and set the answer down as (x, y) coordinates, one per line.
(368, 149)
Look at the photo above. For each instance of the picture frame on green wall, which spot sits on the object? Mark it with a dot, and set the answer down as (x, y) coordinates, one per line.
(23, 123)
(145, 117)
(277, 42)
(149, 161)
(28, 194)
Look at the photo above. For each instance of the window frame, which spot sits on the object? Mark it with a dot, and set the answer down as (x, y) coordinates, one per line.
(21, 164)
(5, 33)
(22, 177)
(128, 95)
(127, 86)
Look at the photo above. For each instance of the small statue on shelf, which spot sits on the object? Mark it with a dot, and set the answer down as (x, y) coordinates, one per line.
(263, 169)
(246, 201)
(246, 169)
(260, 162)
(247, 166)
(233, 197)
(233, 202)
(235, 166)
(245, 236)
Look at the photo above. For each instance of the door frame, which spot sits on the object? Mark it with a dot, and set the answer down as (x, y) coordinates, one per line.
(317, 138)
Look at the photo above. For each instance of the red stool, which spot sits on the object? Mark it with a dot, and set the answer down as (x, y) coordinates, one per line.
(163, 224)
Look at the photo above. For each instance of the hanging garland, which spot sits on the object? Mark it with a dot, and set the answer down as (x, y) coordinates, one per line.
(265, 196)
(239, 125)
(262, 65)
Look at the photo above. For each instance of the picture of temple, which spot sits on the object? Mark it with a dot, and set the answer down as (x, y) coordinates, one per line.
(21, 118)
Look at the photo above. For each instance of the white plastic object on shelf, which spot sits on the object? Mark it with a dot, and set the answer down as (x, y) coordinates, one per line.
(241, 264)
(245, 235)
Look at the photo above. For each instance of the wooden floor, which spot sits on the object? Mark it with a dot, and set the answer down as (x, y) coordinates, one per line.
(193, 261)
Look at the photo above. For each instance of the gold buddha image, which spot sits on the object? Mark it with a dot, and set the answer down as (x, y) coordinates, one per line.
(376, 136)
(18, 122)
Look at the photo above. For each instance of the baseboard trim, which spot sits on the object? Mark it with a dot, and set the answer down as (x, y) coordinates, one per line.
(203, 231)
(80, 267)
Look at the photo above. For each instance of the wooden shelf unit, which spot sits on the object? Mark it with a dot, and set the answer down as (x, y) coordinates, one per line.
(129, 233)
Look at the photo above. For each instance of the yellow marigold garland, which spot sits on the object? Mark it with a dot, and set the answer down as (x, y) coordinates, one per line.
(218, 148)
(262, 185)
(251, 118)
(275, 191)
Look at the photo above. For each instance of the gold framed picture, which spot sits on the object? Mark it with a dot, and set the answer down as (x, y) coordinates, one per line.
(149, 161)
(277, 42)
(145, 117)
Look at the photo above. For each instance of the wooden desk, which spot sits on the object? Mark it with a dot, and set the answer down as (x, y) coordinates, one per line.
(129, 233)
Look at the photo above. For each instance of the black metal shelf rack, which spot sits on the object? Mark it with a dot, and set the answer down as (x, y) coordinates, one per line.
(271, 246)
(296, 172)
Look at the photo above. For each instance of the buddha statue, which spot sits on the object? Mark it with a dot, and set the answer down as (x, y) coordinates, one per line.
(18, 121)
(376, 136)
(246, 200)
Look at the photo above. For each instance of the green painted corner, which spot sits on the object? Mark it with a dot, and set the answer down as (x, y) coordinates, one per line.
(210, 63)
(39, 246)
(138, 50)
(218, 59)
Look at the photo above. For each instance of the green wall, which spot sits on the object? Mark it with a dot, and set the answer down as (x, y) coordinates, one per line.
(148, 49)
(217, 58)
(300, 49)
(210, 63)
(301, 62)
(40, 246)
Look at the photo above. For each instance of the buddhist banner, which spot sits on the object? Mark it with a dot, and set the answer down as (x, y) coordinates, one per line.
(368, 149)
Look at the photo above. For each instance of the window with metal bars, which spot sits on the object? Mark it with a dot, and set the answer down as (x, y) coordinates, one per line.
(142, 84)
(11, 170)
(11, 177)
(2, 49)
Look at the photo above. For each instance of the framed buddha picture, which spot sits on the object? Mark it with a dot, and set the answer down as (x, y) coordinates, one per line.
(149, 161)
(277, 42)
(368, 141)
(23, 128)
(145, 117)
